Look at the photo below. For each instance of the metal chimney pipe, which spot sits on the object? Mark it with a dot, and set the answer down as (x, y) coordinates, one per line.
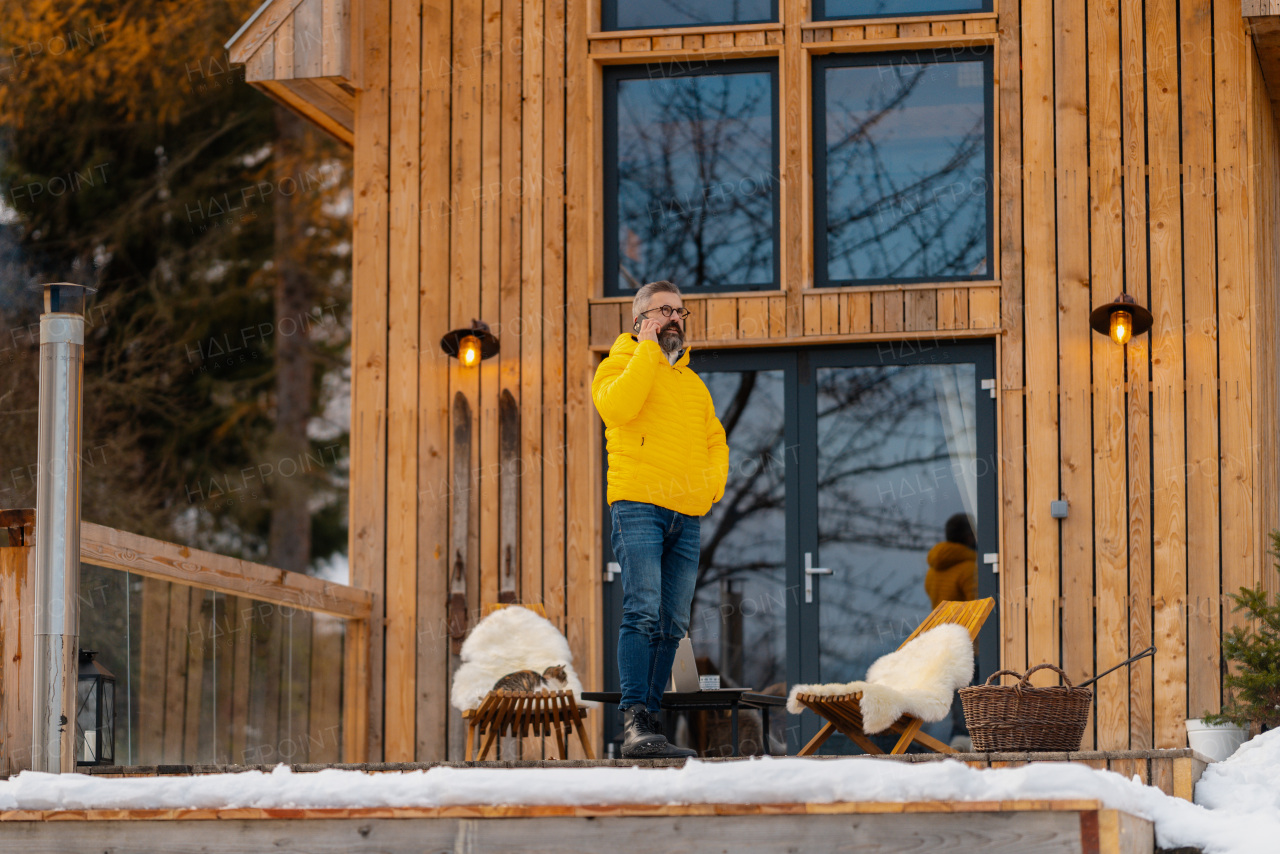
(56, 580)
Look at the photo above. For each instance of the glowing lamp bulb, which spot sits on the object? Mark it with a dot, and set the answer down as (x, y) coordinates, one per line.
(1121, 327)
(469, 350)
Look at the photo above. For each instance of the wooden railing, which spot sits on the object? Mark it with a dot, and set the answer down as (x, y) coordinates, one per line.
(174, 634)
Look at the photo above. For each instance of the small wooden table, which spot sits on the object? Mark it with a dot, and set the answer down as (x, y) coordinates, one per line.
(717, 699)
(764, 702)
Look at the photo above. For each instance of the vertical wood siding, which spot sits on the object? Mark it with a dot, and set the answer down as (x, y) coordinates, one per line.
(1136, 153)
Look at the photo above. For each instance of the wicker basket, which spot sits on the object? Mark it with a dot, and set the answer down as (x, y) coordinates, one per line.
(1023, 717)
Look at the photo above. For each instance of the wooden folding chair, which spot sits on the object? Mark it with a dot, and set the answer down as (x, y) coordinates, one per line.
(526, 713)
(844, 712)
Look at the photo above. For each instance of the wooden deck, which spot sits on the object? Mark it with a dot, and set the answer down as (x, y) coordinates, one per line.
(1174, 772)
(1022, 826)
(1025, 827)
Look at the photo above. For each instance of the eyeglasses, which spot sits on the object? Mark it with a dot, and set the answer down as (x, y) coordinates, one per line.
(667, 311)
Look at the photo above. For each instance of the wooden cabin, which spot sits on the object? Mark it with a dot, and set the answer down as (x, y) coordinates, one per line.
(891, 222)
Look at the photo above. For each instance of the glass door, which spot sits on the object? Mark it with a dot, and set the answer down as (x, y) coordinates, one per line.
(898, 463)
(845, 466)
(743, 620)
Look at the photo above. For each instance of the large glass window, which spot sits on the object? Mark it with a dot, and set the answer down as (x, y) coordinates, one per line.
(691, 166)
(643, 14)
(831, 10)
(903, 187)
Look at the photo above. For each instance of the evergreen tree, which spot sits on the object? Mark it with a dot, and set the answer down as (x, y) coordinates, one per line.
(134, 158)
(1253, 685)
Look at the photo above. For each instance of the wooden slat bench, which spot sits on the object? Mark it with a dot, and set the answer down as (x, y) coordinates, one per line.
(525, 713)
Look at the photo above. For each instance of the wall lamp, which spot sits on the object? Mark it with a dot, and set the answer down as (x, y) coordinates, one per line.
(472, 344)
(1121, 319)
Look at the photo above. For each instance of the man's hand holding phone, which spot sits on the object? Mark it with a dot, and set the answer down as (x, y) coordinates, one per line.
(649, 329)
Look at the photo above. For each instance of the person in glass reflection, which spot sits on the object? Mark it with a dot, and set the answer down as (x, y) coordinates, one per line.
(953, 564)
(953, 577)
(668, 463)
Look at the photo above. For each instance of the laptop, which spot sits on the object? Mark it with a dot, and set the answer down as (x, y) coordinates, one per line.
(684, 672)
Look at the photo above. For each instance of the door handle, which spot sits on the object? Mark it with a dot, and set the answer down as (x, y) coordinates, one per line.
(809, 572)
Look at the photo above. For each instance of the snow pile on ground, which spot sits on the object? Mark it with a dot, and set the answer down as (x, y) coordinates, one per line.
(1238, 807)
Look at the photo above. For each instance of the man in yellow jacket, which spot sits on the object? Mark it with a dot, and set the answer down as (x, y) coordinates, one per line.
(668, 463)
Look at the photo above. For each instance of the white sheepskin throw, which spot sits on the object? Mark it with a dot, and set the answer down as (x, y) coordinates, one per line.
(509, 639)
(918, 679)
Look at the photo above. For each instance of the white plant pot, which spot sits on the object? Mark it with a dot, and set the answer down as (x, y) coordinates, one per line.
(1215, 741)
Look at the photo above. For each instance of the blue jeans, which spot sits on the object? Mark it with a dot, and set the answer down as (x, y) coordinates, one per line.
(658, 551)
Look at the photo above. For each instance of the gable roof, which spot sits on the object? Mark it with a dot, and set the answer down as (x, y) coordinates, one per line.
(300, 53)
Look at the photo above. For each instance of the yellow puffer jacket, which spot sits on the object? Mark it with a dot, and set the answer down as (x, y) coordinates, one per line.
(666, 446)
(953, 573)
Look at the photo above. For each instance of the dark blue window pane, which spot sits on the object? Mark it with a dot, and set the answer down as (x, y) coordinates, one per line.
(831, 9)
(639, 14)
(907, 183)
(695, 180)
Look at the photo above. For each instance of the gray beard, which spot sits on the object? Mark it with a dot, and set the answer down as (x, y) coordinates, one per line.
(671, 340)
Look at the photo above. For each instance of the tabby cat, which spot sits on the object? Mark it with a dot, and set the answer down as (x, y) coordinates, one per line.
(552, 679)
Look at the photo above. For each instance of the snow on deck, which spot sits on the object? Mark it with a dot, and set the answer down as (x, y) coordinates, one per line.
(1237, 808)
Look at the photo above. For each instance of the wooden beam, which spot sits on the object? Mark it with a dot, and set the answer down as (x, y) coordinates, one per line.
(1168, 416)
(1134, 129)
(464, 72)
(1110, 510)
(283, 92)
(1075, 465)
(403, 366)
(153, 558)
(175, 678)
(240, 620)
(534, 189)
(1010, 404)
(1049, 831)
(490, 292)
(1241, 534)
(17, 633)
(584, 499)
(201, 632)
(355, 692)
(432, 706)
(369, 289)
(1012, 807)
(794, 168)
(556, 312)
(1041, 306)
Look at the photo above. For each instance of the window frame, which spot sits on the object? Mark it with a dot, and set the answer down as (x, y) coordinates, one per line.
(819, 65)
(820, 13)
(609, 19)
(609, 132)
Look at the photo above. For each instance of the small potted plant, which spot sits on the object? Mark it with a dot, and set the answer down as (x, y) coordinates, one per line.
(1253, 684)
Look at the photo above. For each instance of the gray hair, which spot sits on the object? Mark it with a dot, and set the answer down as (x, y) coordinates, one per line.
(646, 292)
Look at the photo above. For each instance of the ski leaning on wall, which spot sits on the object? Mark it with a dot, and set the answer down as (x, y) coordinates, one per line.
(509, 499)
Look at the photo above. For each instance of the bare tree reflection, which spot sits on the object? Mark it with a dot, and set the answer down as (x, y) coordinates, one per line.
(696, 179)
(741, 590)
(894, 213)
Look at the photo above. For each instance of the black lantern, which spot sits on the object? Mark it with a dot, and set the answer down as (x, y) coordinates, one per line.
(1121, 319)
(95, 712)
(470, 345)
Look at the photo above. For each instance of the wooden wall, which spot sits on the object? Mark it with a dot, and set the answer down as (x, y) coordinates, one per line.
(1136, 153)
(460, 214)
(1142, 166)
